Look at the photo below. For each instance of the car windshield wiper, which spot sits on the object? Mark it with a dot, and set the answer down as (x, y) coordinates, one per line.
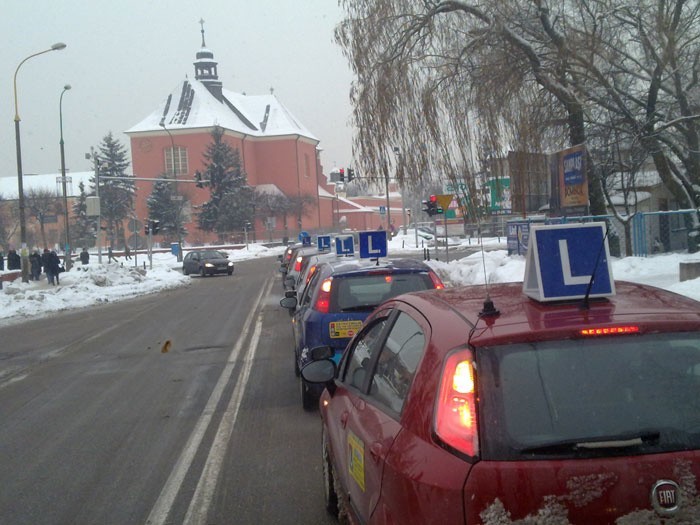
(594, 443)
(359, 307)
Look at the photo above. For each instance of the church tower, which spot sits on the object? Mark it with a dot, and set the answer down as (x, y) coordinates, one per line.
(205, 69)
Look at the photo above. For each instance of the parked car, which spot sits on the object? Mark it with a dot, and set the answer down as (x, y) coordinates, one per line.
(449, 408)
(206, 262)
(295, 265)
(339, 297)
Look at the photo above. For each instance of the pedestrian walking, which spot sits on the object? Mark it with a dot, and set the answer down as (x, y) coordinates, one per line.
(14, 261)
(54, 265)
(35, 265)
(46, 263)
(127, 252)
(84, 257)
(110, 255)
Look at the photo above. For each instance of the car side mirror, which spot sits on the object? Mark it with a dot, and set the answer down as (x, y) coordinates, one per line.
(290, 281)
(279, 258)
(289, 302)
(319, 372)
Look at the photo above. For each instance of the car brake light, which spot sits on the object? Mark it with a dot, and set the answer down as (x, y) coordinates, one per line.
(610, 330)
(455, 415)
(437, 283)
(297, 264)
(323, 301)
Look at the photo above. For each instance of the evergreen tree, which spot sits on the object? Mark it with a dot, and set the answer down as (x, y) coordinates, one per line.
(116, 196)
(231, 199)
(163, 206)
(83, 227)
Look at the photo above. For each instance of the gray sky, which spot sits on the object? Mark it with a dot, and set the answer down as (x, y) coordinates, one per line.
(123, 57)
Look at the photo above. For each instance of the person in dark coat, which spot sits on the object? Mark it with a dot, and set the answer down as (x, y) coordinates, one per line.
(46, 263)
(14, 261)
(84, 257)
(2, 261)
(54, 264)
(35, 264)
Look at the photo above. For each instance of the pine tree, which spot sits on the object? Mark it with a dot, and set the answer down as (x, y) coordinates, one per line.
(163, 206)
(83, 227)
(231, 199)
(116, 196)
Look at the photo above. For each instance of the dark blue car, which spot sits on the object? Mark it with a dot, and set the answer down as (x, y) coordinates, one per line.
(339, 297)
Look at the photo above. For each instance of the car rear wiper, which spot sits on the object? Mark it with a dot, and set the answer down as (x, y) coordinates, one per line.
(595, 443)
(359, 307)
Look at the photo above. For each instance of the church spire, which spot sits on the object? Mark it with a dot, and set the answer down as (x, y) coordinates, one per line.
(205, 69)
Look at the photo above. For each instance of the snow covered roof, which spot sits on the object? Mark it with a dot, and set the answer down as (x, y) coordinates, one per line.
(618, 199)
(49, 181)
(191, 105)
(268, 189)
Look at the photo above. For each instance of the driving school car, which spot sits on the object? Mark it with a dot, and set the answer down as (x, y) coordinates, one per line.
(508, 404)
(339, 297)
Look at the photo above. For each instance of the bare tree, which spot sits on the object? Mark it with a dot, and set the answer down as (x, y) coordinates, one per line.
(44, 205)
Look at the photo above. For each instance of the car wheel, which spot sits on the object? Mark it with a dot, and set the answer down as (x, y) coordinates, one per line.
(184, 270)
(329, 491)
(202, 272)
(307, 397)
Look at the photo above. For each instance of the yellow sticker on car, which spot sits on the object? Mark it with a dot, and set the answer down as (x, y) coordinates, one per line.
(340, 329)
(356, 459)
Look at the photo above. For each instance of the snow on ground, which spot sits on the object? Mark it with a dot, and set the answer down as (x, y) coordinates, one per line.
(102, 283)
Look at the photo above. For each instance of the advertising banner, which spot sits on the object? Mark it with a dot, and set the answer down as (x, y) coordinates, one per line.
(573, 182)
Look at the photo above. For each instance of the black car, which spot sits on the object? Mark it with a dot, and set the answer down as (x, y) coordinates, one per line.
(206, 262)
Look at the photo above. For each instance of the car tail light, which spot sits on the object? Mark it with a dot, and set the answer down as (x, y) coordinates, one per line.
(297, 264)
(610, 330)
(323, 300)
(437, 283)
(455, 414)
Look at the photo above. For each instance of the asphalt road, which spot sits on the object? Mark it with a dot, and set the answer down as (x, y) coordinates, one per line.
(102, 422)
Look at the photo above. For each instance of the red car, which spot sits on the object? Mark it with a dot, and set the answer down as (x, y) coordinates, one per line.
(446, 408)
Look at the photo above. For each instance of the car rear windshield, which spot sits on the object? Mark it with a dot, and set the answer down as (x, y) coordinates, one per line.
(587, 397)
(364, 292)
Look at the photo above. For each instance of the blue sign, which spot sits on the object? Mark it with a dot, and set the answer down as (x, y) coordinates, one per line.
(382, 210)
(564, 260)
(373, 244)
(345, 245)
(304, 235)
(323, 242)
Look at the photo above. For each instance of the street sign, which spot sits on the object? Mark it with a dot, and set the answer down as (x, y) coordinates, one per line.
(323, 242)
(373, 244)
(563, 260)
(345, 245)
(444, 201)
(382, 210)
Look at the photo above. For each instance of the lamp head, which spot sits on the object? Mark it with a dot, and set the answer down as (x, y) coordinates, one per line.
(66, 87)
(58, 46)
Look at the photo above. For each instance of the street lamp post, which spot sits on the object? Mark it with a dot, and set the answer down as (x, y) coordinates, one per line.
(20, 188)
(177, 197)
(67, 260)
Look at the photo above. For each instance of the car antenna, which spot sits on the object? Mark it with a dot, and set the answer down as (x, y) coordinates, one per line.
(586, 304)
(489, 308)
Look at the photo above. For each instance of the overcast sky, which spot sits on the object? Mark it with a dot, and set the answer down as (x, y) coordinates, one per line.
(123, 57)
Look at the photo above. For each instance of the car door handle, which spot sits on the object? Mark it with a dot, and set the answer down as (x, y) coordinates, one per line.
(376, 451)
(344, 419)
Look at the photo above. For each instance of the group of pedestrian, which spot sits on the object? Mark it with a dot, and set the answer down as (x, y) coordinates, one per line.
(52, 265)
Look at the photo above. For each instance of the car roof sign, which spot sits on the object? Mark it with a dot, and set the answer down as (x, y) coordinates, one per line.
(323, 242)
(564, 260)
(373, 244)
(345, 245)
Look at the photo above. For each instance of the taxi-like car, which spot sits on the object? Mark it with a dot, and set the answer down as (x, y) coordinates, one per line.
(484, 405)
(339, 297)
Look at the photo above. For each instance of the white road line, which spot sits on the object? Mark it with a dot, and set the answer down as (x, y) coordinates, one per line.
(161, 508)
(204, 493)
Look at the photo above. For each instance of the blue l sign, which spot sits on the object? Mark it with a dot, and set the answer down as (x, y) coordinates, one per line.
(373, 244)
(563, 260)
(345, 245)
(323, 242)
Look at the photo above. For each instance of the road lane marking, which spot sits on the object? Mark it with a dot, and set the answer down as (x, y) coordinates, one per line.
(204, 493)
(161, 508)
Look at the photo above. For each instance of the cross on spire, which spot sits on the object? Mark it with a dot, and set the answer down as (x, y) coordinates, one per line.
(201, 22)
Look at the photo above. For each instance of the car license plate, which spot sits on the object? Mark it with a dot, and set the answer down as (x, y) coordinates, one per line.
(339, 329)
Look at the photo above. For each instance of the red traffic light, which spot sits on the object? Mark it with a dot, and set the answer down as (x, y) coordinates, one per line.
(433, 198)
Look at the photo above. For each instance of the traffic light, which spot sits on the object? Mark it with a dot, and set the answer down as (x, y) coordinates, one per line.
(146, 229)
(426, 207)
(341, 172)
(436, 208)
(155, 227)
(351, 174)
